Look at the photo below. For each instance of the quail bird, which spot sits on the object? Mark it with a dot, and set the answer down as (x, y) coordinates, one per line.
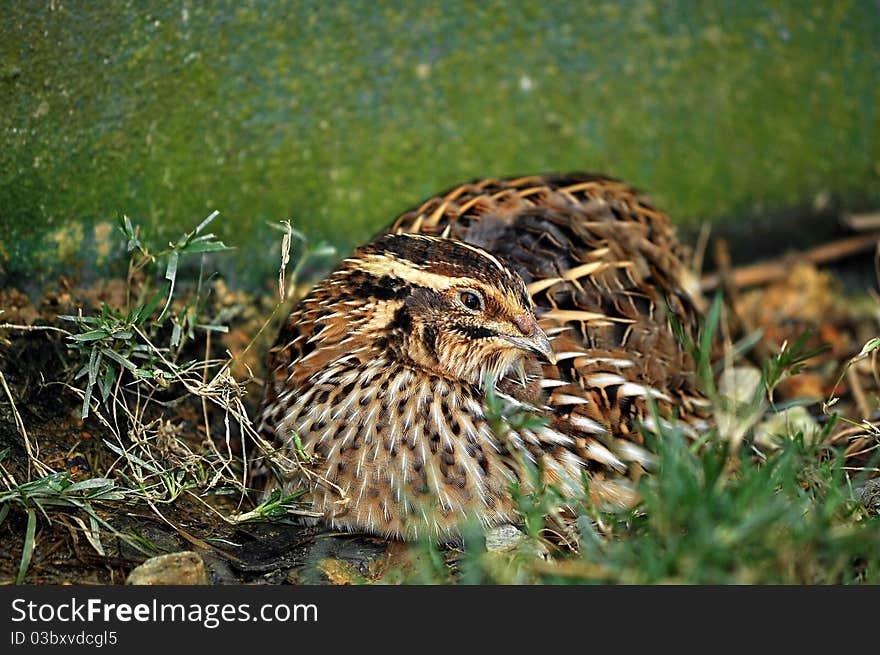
(554, 294)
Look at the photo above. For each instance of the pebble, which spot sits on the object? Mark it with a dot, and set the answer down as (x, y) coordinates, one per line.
(183, 568)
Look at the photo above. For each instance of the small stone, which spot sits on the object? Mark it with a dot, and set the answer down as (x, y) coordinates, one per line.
(787, 422)
(503, 538)
(183, 568)
(739, 383)
(505, 542)
(869, 495)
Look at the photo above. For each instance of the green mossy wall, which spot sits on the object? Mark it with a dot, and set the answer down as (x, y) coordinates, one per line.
(339, 115)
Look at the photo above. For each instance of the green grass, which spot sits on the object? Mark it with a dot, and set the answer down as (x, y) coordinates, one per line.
(59, 493)
(790, 519)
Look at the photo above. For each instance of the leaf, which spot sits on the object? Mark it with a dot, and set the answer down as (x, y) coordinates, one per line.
(171, 270)
(112, 354)
(107, 495)
(91, 335)
(145, 311)
(867, 349)
(170, 274)
(127, 226)
(91, 483)
(27, 550)
(711, 327)
(93, 376)
(107, 383)
(204, 246)
(323, 250)
(214, 328)
(92, 533)
(132, 458)
(50, 482)
(214, 214)
(88, 320)
(108, 492)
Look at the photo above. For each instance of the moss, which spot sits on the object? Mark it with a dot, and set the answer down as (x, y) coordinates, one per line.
(339, 117)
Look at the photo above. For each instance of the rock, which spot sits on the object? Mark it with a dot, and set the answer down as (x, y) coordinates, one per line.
(787, 422)
(507, 538)
(183, 568)
(503, 538)
(739, 386)
(869, 495)
(739, 383)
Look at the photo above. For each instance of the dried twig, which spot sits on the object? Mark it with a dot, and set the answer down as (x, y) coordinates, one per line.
(33, 328)
(768, 271)
(862, 222)
(285, 259)
(700, 248)
(858, 392)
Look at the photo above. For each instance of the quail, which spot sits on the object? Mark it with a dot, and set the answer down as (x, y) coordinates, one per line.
(555, 295)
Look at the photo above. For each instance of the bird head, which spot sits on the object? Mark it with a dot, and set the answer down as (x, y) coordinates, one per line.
(446, 306)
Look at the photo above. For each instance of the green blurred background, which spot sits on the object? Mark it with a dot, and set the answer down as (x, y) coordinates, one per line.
(339, 116)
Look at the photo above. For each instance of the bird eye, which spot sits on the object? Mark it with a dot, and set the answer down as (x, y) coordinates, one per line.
(471, 300)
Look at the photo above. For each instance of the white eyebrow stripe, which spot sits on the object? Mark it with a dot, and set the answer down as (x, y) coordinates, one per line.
(483, 253)
(381, 265)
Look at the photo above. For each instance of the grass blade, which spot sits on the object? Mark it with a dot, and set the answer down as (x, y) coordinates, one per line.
(214, 214)
(91, 335)
(171, 276)
(27, 550)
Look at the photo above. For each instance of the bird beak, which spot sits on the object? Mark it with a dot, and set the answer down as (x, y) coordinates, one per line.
(536, 343)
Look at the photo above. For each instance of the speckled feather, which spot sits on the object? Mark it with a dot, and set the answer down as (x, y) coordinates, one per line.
(394, 432)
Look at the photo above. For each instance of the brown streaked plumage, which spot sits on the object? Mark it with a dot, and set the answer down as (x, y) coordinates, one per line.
(556, 290)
